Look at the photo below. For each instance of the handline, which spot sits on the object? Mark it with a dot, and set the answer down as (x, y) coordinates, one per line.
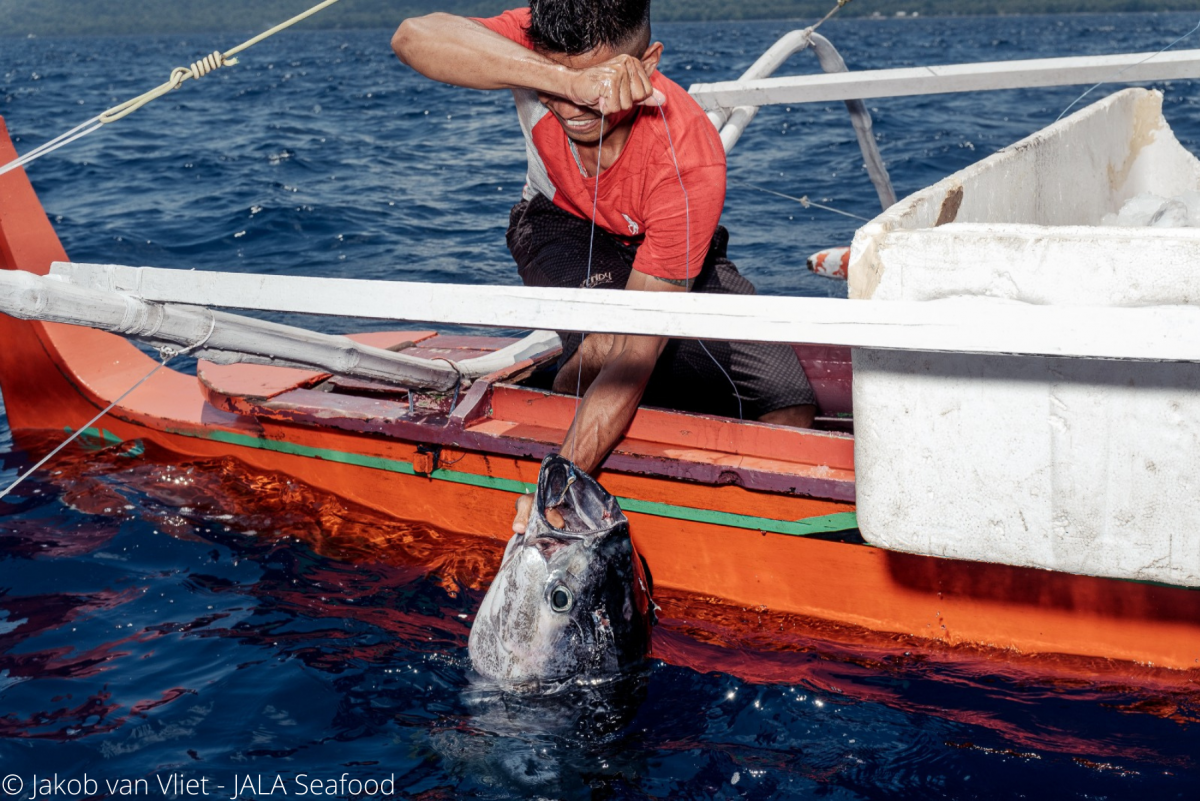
(588, 279)
(687, 258)
(1125, 70)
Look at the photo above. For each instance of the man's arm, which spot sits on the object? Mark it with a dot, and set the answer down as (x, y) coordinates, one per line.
(610, 403)
(462, 52)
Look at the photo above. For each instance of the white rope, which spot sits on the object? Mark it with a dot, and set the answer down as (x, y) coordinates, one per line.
(179, 75)
(166, 353)
(70, 136)
(825, 18)
(84, 427)
(1118, 74)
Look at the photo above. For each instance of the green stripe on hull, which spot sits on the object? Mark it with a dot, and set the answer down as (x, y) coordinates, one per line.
(825, 524)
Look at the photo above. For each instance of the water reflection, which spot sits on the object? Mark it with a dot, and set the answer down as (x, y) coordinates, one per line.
(204, 614)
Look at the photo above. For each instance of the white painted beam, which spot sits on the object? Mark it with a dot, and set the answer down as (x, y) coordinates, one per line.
(978, 325)
(985, 76)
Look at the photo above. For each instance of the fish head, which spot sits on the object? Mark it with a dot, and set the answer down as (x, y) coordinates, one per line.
(567, 603)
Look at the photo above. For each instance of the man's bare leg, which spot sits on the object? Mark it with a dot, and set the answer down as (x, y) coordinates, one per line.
(593, 351)
(794, 416)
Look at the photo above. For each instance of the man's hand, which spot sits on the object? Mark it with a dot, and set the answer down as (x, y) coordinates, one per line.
(616, 85)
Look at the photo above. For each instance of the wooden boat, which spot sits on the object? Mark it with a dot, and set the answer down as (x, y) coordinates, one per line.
(755, 515)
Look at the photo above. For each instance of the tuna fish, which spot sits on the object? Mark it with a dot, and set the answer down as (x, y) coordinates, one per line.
(570, 603)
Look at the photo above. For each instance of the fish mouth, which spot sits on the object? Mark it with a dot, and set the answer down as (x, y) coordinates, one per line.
(587, 510)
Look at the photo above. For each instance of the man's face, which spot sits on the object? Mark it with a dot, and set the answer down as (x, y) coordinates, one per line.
(582, 124)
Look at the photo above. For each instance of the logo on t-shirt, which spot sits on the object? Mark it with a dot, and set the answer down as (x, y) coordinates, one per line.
(598, 279)
(633, 227)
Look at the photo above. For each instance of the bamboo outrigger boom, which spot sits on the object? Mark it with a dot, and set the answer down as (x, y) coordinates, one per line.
(226, 338)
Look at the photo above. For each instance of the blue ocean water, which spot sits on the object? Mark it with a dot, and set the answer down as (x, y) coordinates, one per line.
(161, 617)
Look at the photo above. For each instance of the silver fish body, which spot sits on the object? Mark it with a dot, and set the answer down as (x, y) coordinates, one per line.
(570, 603)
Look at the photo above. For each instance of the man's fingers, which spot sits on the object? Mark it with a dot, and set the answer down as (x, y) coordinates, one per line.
(649, 87)
(637, 90)
(641, 81)
(618, 85)
(524, 506)
(656, 99)
(625, 89)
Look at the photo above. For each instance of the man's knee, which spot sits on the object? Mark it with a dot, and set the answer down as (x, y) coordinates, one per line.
(576, 375)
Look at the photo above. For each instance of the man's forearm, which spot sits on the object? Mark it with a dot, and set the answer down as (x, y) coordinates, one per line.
(611, 402)
(462, 52)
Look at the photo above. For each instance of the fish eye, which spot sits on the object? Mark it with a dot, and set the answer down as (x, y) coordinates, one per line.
(561, 599)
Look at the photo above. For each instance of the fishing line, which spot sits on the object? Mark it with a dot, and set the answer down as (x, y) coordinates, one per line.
(1127, 69)
(588, 279)
(167, 355)
(687, 262)
(803, 201)
(687, 218)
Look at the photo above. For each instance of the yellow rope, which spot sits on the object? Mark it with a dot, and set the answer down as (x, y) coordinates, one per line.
(202, 67)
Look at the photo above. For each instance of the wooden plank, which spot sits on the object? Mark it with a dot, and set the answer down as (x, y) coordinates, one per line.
(984, 76)
(255, 381)
(390, 339)
(976, 325)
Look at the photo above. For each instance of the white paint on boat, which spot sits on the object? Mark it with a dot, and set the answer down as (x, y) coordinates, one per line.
(1078, 466)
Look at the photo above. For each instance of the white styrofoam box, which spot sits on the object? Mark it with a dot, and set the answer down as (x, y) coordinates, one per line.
(1089, 467)
(1058, 463)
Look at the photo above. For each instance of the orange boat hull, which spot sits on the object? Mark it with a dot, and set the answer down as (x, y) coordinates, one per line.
(53, 377)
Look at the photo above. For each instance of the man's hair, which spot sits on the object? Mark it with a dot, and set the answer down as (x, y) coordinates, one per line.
(573, 27)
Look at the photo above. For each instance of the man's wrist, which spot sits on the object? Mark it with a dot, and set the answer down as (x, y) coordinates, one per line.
(553, 79)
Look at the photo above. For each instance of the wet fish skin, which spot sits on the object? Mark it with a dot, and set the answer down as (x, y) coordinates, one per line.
(567, 604)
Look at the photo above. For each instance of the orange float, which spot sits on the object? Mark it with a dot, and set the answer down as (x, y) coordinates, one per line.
(831, 263)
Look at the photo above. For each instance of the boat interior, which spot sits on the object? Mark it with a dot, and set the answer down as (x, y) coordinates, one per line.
(513, 412)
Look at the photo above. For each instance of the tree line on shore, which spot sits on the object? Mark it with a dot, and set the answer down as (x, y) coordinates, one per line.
(115, 17)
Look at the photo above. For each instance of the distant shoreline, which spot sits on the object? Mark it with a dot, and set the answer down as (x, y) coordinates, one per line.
(65, 18)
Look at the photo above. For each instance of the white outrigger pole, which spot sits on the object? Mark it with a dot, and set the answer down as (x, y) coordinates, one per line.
(943, 79)
(974, 325)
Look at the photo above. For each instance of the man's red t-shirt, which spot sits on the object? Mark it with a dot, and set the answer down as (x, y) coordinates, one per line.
(640, 198)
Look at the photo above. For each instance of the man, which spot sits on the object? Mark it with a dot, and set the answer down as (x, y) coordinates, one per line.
(609, 138)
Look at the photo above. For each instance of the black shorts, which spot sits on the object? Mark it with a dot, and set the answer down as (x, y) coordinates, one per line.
(551, 247)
